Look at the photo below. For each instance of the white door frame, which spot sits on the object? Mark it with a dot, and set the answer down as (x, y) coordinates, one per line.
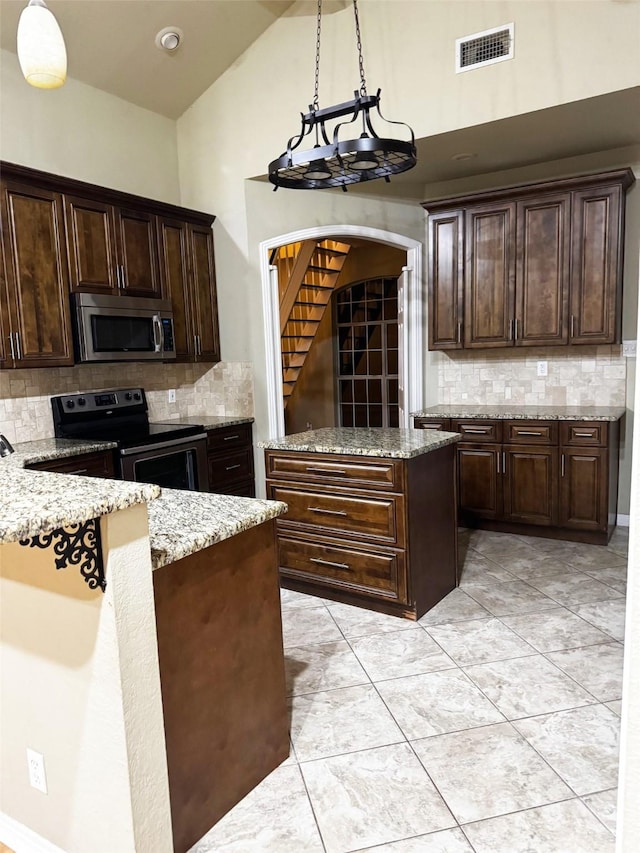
(410, 316)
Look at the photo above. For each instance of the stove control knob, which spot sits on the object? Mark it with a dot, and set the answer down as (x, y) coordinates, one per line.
(70, 404)
(128, 395)
(82, 401)
(137, 395)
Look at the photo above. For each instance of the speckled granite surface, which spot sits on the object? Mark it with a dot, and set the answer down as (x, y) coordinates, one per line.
(48, 449)
(364, 441)
(534, 413)
(210, 421)
(33, 502)
(181, 523)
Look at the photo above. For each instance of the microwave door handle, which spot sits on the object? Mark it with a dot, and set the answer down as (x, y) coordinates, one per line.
(157, 333)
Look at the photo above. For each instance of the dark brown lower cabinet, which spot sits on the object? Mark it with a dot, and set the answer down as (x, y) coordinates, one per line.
(544, 478)
(98, 464)
(230, 460)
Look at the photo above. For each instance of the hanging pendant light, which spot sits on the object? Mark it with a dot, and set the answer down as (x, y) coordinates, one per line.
(334, 161)
(41, 51)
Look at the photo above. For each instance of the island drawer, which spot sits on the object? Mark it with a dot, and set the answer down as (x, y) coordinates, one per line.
(582, 433)
(374, 517)
(379, 575)
(432, 423)
(229, 437)
(530, 432)
(473, 429)
(98, 464)
(369, 473)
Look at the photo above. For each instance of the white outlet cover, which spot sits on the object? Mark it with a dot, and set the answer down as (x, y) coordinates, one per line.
(37, 775)
(629, 349)
(542, 368)
(172, 395)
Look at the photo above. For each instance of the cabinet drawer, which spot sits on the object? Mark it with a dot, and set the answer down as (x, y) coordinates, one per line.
(530, 432)
(230, 467)
(379, 575)
(376, 518)
(477, 430)
(228, 438)
(88, 465)
(432, 423)
(584, 433)
(370, 473)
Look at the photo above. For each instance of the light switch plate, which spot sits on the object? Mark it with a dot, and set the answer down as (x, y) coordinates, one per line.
(629, 349)
(542, 368)
(171, 395)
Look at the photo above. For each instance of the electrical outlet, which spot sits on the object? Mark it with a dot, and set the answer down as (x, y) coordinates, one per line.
(542, 368)
(37, 775)
(629, 349)
(171, 395)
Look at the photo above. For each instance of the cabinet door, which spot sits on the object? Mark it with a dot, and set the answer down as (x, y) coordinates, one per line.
(489, 275)
(446, 280)
(204, 294)
(479, 481)
(583, 488)
(596, 265)
(138, 253)
(92, 246)
(37, 276)
(530, 484)
(542, 270)
(174, 274)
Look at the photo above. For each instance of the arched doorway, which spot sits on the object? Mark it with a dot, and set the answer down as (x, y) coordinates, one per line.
(410, 317)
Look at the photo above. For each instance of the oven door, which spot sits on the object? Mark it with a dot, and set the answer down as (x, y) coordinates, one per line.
(121, 328)
(177, 464)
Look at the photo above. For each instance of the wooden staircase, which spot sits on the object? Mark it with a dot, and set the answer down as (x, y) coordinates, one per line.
(307, 274)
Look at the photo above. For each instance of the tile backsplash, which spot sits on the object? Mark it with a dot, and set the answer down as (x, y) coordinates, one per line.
(580, 376)
(221, 389)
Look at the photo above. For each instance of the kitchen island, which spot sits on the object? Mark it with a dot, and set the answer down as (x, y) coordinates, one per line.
(372, 515)
(154, 685)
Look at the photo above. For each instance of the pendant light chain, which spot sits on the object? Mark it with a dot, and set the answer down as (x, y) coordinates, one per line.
(316, 102)
(363, 82)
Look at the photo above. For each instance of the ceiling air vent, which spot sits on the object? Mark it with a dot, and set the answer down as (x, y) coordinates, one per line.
(485, 48)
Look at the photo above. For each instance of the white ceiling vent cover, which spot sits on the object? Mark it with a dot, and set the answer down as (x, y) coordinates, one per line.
(485, 48)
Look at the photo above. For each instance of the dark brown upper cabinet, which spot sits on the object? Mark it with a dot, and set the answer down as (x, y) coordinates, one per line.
(188, 278)
(533, 265)
(61, 235)
(112, 249)
(35, 309)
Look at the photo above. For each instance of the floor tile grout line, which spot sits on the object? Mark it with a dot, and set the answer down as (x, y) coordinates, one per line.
(313, 811)
(546, 612)
(573, 678)
(597, 816)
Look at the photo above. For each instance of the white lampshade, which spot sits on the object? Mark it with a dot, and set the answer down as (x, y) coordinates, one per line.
(41, 51)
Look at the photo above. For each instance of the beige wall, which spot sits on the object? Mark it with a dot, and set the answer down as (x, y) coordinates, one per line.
(83, 133)
(80, 684)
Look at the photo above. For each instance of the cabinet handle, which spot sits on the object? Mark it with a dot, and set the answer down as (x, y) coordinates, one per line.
(13, 349)
(327, 511)
(497, 463)
(231, 467)
(78, 471)
(562, 465)
(230, 437)
(475, 430)
(199, 345)
(337, 472)
(328, 563)
(584, 434)
(528, 432)
(459, 335)
(504, 462)
(510, 330)
(18, 347)
(515, 329)
(573, 321)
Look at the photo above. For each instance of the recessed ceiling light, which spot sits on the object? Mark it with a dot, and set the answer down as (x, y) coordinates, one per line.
(463, 156)
(169, 39)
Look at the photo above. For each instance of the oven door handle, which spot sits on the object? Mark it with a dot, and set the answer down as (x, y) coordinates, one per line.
(157, 333)
(162, 445)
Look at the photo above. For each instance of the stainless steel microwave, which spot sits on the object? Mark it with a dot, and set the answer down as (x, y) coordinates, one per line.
(123, 328)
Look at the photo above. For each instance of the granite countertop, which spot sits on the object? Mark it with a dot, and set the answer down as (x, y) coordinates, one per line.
(515, 412)
(181, 523)
(364, 441)
(210, 421)
(48, 449)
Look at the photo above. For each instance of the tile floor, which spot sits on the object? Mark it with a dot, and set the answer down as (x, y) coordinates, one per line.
(491, 725)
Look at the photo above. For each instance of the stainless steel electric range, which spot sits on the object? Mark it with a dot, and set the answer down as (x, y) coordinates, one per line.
(170, 455)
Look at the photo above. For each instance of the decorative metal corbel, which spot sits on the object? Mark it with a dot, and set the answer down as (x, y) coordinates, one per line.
(76, 545)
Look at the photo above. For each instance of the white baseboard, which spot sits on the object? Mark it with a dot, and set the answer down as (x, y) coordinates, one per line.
(21, 839)
(622, 520)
